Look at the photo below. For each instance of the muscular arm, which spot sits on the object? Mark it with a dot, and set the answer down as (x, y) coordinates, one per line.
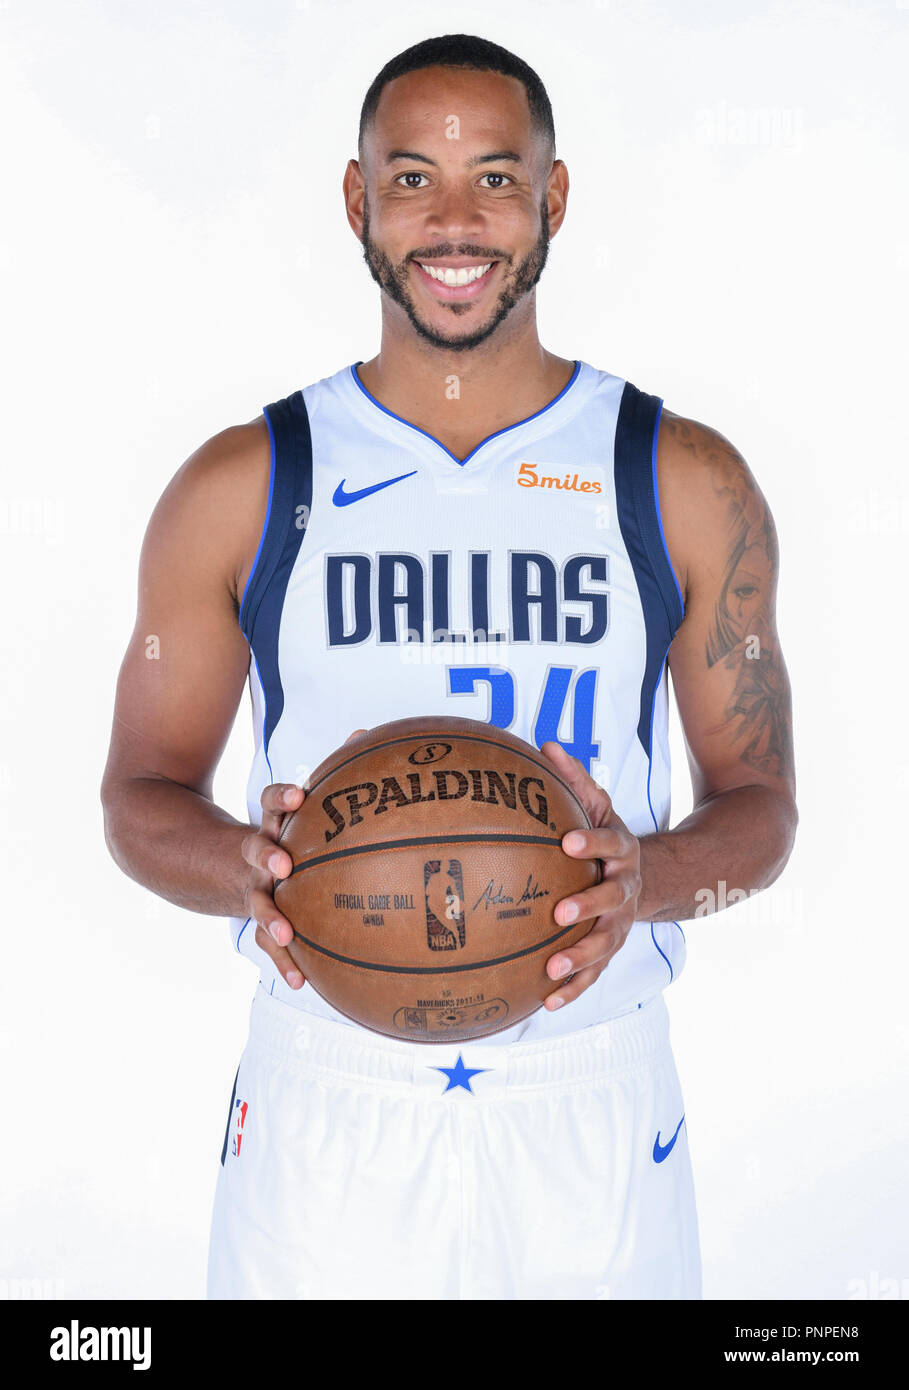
(729, 679)
(182, 679)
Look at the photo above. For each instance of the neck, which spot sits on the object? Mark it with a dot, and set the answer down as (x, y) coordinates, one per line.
(467, 395)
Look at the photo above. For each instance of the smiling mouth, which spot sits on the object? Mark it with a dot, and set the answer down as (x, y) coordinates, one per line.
(456, 282)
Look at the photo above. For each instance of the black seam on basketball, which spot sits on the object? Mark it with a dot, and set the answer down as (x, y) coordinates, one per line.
(453, 839)
(476, 738)
(438, 969)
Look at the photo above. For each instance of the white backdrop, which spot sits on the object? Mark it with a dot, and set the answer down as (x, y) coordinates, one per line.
(174, 254)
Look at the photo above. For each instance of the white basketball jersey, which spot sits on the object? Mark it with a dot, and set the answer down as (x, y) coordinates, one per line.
(527, 585)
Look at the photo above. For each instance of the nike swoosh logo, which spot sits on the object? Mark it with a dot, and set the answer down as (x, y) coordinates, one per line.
(661, 1151)
(344, 499)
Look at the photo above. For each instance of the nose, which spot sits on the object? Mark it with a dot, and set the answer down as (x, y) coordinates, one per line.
(455, 215)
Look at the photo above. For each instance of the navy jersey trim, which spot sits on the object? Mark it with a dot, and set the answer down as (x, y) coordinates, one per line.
(642, 531)
(289, 506)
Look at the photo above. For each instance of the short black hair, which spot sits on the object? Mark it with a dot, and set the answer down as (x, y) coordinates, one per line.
(463, 51)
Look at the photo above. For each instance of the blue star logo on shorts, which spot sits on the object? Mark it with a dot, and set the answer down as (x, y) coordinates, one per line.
(459, 1075)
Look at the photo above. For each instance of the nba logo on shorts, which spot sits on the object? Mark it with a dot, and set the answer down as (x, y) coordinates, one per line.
(239, 1120)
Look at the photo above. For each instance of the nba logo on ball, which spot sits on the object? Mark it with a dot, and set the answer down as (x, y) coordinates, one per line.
(445, 903)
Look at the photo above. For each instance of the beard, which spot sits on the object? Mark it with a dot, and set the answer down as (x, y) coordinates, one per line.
(394, 281)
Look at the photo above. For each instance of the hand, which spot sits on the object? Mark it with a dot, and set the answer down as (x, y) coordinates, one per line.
(611, 905)
(268, 862)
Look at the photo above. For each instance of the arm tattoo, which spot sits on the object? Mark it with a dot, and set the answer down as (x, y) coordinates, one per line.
(742, 638)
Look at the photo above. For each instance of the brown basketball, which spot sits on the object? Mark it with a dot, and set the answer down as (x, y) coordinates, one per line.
(427, 863)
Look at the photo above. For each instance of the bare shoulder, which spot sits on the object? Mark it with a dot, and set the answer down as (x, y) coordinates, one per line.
(213, 509)
(709, 500)
(233, 463)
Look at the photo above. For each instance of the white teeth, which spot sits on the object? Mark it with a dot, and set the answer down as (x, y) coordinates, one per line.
(462, 276)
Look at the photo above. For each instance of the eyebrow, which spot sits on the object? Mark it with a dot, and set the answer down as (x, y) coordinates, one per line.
(499, 157)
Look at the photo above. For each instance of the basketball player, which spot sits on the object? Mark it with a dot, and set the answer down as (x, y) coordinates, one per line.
(465, 524)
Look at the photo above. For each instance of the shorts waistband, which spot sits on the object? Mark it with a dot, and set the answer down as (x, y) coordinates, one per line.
(315, 1045)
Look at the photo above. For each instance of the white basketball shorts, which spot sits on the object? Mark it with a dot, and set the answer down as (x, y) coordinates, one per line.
(355, 1166)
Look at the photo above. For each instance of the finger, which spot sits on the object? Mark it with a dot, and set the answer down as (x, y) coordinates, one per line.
(279, 797)
(262, 853)
(278, 800)
(357, 733)
(261, 905)
(598, 946)
(599, 843)
(570, 990)
(595, 800)
(608, 896)
(282, 960)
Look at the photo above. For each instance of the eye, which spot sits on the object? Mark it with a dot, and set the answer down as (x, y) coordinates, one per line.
(411, 174)
(745, 591)
(506, 177)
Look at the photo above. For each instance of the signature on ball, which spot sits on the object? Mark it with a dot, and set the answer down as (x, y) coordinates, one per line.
(492, 896)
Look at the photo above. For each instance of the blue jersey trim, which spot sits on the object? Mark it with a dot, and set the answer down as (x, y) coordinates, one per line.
(662, 953)
(650, 800)
(290, 502)
(271, 492)
(662, 603)
(265, 723)
(656, 502)
(653, 696)
(461, 462)
(639, 522)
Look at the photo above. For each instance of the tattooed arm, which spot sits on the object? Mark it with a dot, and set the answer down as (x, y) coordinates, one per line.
(729, 679)
(733, 696)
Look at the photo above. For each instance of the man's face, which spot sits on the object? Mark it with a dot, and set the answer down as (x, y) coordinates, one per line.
(455, 178)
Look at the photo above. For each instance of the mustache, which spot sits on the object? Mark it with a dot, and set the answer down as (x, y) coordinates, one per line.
(442, 253)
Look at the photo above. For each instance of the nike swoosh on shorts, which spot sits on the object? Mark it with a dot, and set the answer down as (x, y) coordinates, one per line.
(661, 1151)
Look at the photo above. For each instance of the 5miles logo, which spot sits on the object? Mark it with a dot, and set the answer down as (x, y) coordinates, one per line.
(537, 475)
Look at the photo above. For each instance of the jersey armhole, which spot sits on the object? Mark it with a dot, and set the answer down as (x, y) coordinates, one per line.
(641, 526)
(677, 602)
(637, 493)
(254, 576)
(289, 505)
